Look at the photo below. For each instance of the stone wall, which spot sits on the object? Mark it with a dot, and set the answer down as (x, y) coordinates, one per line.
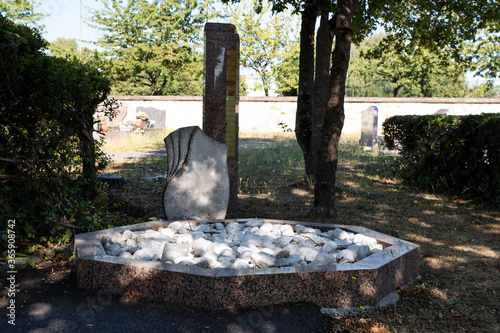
(264, 114)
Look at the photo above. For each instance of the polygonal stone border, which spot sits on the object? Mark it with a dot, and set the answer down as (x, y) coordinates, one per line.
(365, 282)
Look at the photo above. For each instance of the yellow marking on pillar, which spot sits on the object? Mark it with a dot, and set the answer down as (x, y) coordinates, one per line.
(231, 97)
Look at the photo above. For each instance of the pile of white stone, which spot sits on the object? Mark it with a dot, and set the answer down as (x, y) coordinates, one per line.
(253, 244)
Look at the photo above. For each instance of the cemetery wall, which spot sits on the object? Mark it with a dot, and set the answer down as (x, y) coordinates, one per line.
(264, 114)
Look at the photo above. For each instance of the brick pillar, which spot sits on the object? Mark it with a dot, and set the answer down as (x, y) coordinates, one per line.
(221, 98)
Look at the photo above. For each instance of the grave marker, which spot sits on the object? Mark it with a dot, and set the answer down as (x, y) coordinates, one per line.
(369, 122)
(158, 116)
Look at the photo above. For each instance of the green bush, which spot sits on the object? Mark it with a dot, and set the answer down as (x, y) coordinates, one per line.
(455, 154)
(48, 157)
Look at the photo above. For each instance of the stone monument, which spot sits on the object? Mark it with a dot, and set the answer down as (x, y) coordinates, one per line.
(220, 101)
(369, 123)
(197, 178)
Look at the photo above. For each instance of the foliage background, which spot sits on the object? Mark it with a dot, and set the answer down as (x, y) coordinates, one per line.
(48, 157)
(455, 154)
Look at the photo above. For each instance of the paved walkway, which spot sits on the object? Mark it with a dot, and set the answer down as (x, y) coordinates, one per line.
(45, 305)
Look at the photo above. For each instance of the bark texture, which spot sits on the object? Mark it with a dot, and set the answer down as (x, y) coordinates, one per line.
(305, 99)
(324, 190)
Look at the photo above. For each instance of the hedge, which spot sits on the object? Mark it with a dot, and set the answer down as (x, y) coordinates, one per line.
(48, 157)
(454, 154)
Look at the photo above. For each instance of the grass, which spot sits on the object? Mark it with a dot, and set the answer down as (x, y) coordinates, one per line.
(152, 140)
(460, 240)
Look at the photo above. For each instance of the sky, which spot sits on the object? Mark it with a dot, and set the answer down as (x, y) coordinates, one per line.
(64, 19)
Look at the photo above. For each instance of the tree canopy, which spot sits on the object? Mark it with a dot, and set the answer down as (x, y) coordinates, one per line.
(21, 11)
(422, 73)
(149, 43)
(437, 26)
(267, 41)
(48, 157)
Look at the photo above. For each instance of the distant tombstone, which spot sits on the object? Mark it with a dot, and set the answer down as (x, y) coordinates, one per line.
(221, 98)
(369, 123)
(158, 116)
(197, 176)
(441, 112)
(117, 121)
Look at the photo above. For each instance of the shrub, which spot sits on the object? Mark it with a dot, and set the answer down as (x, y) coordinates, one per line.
(457, 154)
(48, 157)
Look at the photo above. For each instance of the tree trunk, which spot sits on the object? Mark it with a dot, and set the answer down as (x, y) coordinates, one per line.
(264, 85)
(395, 91)
(324, 189)
(321, 88)
(87, 153)
(305, 99)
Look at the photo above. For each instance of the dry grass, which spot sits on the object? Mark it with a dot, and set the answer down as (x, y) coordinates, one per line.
(460, 240)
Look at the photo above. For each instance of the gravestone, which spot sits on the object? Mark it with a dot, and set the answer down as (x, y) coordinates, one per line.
(117, 121)
(221, 98)
(158, 116)
(441, 112)
(197, 176)
(369, 123)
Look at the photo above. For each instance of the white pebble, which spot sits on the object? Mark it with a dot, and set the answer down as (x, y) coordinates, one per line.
(226, 252)
(346, 254)
(267, 228)
(326, 258)
(183, 230)
(127, 234)
(263, 259)
(184, 238)
(375, 248)
(233, 226)
(292, 260)
(219, 226)
(298, 239)
(219, 247)
(293, 249)
(282, 254)
(362, 251)
(125, 255)
(329, 247)
(241, 245)
(282, 241)
(175, 226)
(240, 263)
(230, 258)
(203, 228)
(299, 228)
(311, 255)
(245, 254)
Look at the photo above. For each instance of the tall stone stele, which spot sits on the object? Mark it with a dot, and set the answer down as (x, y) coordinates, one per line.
(221, 98)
